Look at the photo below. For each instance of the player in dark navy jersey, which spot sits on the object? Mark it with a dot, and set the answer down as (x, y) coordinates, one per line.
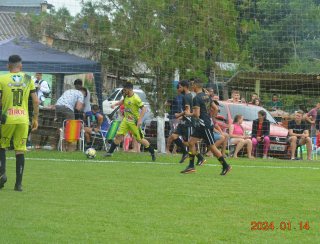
(185, 127)
(203, 107)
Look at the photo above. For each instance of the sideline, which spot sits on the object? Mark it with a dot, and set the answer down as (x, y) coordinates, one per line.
(169, 164)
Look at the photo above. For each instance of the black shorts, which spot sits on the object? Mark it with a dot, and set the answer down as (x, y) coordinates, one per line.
(184, 130)
(204, 133)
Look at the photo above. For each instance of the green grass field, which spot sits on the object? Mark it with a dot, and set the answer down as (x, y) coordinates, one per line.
(128, 199)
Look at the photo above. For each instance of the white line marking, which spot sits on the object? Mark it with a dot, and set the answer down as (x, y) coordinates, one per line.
(170, 164)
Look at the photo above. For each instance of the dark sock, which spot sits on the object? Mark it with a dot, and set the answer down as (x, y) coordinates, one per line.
(191, 158)
(199, 156)
(179, 143)
(19, 168)
(223, 162)
(112, 147)
(150, 149)
(2, 161)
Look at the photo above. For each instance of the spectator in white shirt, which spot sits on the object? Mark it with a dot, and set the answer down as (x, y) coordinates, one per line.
(42, 88)
(87, 106)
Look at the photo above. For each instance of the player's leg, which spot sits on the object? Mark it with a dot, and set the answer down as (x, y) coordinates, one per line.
(19, 141)
(138, 135)
(6, 135)
(210, 140)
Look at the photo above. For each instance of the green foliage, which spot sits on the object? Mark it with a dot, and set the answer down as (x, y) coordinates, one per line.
(283, 35)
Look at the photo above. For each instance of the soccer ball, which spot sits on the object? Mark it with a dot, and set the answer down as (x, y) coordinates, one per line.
(91, 153)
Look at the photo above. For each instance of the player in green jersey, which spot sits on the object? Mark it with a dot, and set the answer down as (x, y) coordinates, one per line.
(15, 88)
(134, 111)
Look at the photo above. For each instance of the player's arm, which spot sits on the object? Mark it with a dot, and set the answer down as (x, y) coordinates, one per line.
(143, 110)
(35, 103)
(117, 104)
(195, 112)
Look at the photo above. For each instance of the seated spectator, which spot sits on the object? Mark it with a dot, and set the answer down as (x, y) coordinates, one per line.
(299, 134)
(238, 137)
(260, 133)
(96, 121)
(235, 97)
(257, 102)
(274, 104)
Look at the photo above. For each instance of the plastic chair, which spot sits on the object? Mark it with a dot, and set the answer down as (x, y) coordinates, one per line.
(106, 135)
(72, 131)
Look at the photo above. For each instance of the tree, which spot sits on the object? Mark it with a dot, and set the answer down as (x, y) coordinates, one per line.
(285, 32)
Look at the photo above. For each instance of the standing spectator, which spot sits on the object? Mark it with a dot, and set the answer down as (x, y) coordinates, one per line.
(260, 133)
(211, 92)
(239, 138)
(299, 135)
(311, 117)
(253, 97)
(235, 97)
(87, 106)
(15, 88)
(175, 107)
(69, 101)
(275, 103)
(43, 88)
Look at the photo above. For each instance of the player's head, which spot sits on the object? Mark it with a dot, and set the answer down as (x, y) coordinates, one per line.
(127, 88)
(197, 85)
(15, 63)
(78, 84)
(184, 85)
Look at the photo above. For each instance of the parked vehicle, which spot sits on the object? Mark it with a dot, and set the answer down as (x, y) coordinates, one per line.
(116, 96)
(278, 133)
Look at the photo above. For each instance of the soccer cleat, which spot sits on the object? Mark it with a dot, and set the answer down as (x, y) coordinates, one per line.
(108, 154)
(226, 170)
(201, 162)
(3, 180)
(153, 156)
(188, 170)
(184, 157)
(18, 187)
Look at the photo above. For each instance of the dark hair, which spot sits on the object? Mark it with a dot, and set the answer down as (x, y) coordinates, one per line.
(78, 82)
(198, 82)
(94, 107)
(255, 100)
(128, 85)
(237, 118)
(262, 113)
(85, 91)
(13, 59)
(184, 83)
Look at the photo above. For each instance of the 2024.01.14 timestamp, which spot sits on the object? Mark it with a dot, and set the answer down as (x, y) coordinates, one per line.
(283, 225)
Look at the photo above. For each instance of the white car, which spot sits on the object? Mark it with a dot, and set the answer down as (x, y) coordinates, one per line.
(116, 96)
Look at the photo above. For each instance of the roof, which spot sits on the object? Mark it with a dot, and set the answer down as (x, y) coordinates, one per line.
(9, 27)
(21, 3)
(276, 82)
(37, 57)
